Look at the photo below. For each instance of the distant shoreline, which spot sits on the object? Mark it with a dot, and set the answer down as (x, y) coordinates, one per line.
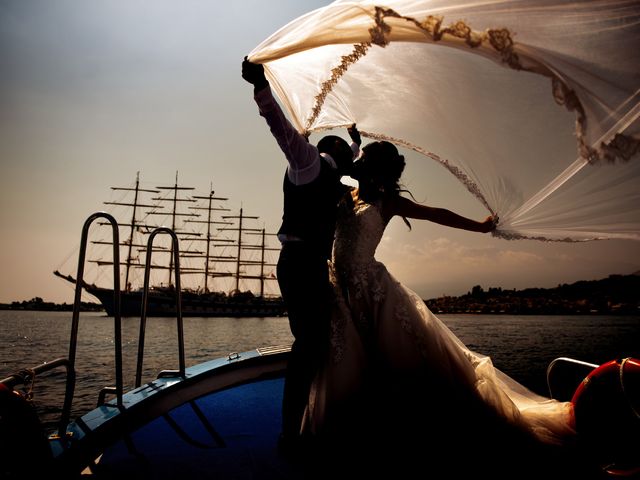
(37, 304)
(531, 311)
(614, 295)
(438, 310)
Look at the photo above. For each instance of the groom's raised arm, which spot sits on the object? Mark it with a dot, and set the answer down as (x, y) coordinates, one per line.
(303, 157)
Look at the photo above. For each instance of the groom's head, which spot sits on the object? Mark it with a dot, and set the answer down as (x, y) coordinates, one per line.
(339, 150)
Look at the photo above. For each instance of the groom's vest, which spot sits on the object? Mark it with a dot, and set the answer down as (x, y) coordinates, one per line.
(310, 209)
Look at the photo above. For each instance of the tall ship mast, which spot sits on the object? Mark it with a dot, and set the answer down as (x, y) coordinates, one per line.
(225, 260)
(240, 262)
(211, 240)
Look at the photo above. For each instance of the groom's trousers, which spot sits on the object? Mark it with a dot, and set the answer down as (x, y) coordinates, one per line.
(303, 277)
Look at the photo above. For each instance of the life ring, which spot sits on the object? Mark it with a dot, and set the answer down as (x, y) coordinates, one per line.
(24, 448)
(606, 416)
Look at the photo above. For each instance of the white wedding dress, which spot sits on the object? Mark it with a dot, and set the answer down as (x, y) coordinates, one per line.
(381, 329)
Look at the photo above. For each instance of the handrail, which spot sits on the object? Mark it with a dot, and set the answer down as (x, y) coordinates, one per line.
(577, 364)
(70, 385)
(22, 377)
(145, 295)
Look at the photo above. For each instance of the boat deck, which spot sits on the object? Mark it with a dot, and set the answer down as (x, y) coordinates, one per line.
(233, 433)
(236, 439)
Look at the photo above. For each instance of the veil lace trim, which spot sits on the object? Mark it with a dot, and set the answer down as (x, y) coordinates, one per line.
(499, 39)
(611, 147)
(469, 184)
(620, 148)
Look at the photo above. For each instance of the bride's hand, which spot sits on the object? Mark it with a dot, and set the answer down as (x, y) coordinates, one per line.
(489, 224)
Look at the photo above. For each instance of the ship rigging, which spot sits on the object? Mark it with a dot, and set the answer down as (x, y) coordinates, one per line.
(214, 247)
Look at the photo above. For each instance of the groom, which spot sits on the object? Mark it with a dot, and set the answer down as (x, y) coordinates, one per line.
(312, 189)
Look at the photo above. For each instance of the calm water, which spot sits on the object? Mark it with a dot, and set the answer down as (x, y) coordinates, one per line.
(521, 346)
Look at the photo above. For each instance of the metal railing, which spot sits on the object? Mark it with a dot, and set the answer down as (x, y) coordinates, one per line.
(564, 375)
(70, 385)
(145, 297)
(27, 376)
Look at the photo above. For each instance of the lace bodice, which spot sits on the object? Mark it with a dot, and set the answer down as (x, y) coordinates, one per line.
(358, 233)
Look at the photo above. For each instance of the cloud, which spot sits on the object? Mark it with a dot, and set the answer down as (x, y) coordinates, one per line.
(515, 258)
(440, 251)
(433, 267)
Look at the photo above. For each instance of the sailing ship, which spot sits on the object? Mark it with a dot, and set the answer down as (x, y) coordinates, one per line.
(226, 254)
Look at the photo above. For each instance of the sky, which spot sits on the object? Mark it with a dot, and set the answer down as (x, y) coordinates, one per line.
(93, 92)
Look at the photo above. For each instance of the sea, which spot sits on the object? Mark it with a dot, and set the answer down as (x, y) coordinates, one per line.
(520, 346)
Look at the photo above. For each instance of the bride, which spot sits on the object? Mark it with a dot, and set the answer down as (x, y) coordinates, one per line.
(398, 384)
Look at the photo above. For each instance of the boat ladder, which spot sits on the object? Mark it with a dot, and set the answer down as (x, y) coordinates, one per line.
(26, 377)
(175, 250)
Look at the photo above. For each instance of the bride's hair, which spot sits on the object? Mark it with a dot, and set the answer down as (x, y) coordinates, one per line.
(383, 166)
(380, 171)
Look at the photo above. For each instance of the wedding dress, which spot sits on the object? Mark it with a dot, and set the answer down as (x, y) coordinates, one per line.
(383, 334)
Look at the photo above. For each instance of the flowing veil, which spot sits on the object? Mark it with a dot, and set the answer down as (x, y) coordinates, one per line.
(532, 104)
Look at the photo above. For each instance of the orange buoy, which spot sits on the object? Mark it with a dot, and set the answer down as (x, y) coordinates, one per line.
(606, 414)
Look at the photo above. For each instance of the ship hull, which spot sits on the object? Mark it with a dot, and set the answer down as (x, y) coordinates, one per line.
(162, 303)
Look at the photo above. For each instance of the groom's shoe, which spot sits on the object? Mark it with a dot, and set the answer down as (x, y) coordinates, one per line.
(295, 448)
(288, 445)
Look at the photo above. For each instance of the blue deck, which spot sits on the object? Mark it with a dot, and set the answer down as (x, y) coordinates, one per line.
(223, 421)
(239, 441)
(243, 444)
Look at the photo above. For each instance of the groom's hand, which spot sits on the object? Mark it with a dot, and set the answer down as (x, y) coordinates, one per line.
(254, 74)
(354, 133)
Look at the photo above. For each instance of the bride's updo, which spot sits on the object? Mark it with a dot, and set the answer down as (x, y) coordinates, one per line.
(378, 172)
(380, 168)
